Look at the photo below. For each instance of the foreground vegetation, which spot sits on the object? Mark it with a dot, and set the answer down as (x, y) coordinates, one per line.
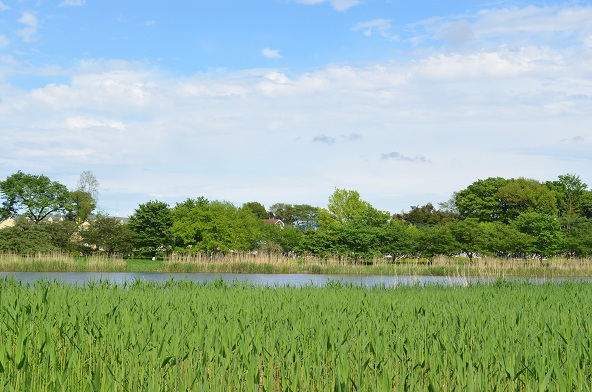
(218, 336)
(491, 268)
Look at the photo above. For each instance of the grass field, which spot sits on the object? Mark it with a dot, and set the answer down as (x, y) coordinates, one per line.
(182, 336)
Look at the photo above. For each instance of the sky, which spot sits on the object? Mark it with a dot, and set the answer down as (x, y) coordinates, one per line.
(284, 101)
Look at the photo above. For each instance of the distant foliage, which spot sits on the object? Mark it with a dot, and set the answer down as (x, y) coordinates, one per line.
(498, 217)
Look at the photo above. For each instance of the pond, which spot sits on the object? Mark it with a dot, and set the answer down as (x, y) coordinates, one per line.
(256, 279)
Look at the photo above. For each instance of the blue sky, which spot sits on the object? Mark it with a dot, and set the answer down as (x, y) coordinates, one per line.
(282, 101)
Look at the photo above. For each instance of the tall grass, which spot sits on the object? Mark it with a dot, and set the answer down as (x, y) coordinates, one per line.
(59, 262)
(181, 336)
(278, 263)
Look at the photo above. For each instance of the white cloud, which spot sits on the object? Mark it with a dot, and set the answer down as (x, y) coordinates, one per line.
(512, 25)
(271, 53)
(81, 123)
(381, 26)
(339, 5)
(263, 134)
(31, 23)
(3, 7)
(72, 3)
(394, 155)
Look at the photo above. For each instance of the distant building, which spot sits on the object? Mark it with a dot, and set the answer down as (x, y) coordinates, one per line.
(277, 222)
(9, 222)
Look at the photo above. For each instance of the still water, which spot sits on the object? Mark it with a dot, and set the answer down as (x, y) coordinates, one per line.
(255, 279)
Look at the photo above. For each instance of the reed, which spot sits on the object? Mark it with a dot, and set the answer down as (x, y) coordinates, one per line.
(59, 262)
(228, 336)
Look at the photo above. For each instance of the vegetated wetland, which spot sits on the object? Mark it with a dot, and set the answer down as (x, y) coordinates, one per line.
(181, 335)
(490, 268)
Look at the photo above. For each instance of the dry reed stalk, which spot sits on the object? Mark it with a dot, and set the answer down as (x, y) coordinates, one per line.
(101, 263)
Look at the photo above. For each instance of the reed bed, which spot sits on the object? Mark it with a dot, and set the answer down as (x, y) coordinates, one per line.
(59, 262)
(493, 268)
(183, 336)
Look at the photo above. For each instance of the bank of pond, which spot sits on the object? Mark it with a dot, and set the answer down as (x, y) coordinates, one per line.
(227, 334)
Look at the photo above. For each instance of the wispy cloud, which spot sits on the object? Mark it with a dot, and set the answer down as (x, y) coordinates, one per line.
(575, 140)
(380, 26)
(339, 5)
(400, 157)
(271, 53)
(527, 25)
(352, 136)
(3, 7)
(324, 139)
(72, 3)
(30, 23)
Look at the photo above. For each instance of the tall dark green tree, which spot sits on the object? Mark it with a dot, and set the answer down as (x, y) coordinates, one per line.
(151, 224)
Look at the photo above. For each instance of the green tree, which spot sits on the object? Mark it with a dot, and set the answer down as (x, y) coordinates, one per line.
(258, 209)
(346, 206)
(426, 215)
(34, 196)
(398, 238)
(189, 222)
(204, 226)
(106, 234)
(26, 238)
(284, 212)
(151, 224)
(545, 230)
(276, 238)
(84, 197)
(481, 200)
(82, 206)
(570, 194)
(503, 240)
(62, 234)
(321, 243)
(468, 235)
(303, 216)
(524, 195)
(578, 236)
(436, 240)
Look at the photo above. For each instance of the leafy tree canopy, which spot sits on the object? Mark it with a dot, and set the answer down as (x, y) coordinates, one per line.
(346, 207)
(481, 200)
(257, 208)
(151, 223)
(524, 195)
(426, 215)
(34, 196)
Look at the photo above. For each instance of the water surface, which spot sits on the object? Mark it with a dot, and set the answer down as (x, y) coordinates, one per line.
(257, 279)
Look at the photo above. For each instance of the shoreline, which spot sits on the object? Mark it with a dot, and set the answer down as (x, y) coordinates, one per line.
(446, 267)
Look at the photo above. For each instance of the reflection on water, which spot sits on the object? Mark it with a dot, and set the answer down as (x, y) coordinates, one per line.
(257, 279)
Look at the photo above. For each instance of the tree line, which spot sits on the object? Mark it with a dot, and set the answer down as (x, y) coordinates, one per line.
(491, 217)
